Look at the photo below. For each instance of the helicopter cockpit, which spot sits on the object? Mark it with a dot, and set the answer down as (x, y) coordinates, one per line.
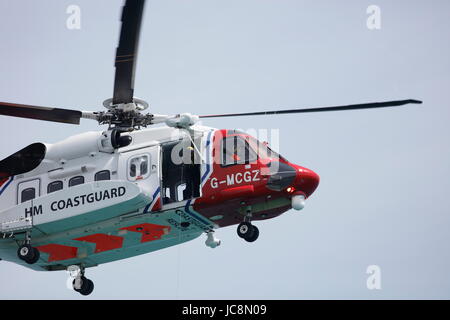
(240, 147)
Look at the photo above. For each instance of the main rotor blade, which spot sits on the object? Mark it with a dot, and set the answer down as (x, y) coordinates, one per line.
(40, 113)
(126, 53)
(320, 109)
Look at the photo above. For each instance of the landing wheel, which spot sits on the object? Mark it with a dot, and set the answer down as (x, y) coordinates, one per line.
(245, 229)
(253, 236)
(86, 286)
(28, 254)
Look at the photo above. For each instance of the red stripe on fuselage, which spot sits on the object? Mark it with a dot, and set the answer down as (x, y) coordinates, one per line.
(58, 252)
(103, 242)
(157, 205)
(150, 232)
(3, 181)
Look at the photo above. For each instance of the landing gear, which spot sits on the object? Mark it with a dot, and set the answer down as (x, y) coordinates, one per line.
(247, 231)
(28, 253)
(81, 284)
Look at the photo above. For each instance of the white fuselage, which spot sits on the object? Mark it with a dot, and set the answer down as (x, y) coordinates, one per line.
(82, 184)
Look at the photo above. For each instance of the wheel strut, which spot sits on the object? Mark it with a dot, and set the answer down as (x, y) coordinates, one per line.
(82, 284)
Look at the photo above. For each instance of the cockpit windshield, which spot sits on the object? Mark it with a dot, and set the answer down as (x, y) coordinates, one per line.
(262, 149)
(273, 154)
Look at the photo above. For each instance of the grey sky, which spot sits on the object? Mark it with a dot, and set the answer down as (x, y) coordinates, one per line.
(383, 197)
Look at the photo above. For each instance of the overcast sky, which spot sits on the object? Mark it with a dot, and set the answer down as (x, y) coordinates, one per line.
(383, 196)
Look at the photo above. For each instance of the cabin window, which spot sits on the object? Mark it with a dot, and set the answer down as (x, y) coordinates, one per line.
(28, 194)
(76, 181)
(138, 167)
(54, 186)
(102, 175)
(132, 170)
(236, 150)
(144, 167)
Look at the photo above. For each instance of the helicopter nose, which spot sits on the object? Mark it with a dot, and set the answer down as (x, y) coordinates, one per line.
(281, 175)
(306, 180)
(292, 178)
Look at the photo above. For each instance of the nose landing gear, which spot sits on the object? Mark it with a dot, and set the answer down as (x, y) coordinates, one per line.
(247, 231)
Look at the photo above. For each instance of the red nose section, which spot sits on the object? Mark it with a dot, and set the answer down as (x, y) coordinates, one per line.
(307, 180)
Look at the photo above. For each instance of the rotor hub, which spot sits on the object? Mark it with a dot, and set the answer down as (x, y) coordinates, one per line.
(137, 105)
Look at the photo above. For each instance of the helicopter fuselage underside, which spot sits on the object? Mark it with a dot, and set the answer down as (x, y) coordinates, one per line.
(121, 237)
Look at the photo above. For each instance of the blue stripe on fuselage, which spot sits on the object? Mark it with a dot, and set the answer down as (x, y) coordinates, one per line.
(155, 194)
(208, 143)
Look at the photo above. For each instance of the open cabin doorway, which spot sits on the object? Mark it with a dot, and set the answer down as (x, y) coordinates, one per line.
(180, 172)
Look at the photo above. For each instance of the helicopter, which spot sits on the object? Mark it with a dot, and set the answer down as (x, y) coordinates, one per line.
(134, 188)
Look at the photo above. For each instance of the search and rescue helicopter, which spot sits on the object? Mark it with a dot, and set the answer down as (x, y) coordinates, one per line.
(102, 196)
